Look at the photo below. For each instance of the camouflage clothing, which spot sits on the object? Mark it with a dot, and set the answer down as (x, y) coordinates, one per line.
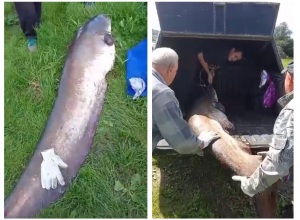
(280, 157)
(167, 120)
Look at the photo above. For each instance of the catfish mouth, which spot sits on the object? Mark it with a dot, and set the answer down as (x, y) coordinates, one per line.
(105, 28)
(103, 23)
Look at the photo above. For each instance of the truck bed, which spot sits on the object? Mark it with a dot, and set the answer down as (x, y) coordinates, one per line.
(236, 84)
(242, 100)
(253, 128)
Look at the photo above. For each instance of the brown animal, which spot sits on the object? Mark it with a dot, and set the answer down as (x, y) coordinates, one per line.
(236, 155)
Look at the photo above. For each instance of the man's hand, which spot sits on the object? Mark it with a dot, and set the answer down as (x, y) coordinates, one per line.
(244, 184)
(210, 77)
(262, 153)
(207, 137)
(50, 172)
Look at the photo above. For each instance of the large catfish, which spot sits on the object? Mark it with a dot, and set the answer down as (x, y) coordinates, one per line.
(206, 114)
(72, 124)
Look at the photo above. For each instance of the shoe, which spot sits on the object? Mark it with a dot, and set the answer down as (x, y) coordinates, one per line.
(31, 44)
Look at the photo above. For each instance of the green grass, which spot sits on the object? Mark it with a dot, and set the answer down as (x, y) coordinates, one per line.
(196, 187)
(119, 152)
(200, 187)
(285, 62)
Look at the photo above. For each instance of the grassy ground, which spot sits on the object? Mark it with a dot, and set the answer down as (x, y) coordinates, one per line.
(194, 187)
(120, 148)
(285, 62)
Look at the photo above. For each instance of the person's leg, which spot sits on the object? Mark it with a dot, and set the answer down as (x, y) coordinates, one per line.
(28, 20)
(288, 211)
(38, 10)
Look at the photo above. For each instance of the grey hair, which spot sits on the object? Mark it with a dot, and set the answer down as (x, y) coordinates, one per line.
(164, 56)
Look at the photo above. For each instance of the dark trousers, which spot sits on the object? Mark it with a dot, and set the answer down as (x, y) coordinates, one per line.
(29, 14)
(288, 211)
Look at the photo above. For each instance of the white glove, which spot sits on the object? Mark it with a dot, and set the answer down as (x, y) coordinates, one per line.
(244, 184)
(207, 137)
(262, 153)
(138, 85)
(50, 172)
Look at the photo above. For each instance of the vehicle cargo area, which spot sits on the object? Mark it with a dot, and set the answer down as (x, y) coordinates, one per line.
(236, 84)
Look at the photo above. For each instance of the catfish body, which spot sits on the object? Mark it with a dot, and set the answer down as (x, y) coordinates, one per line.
(73, 121)
(205, 115)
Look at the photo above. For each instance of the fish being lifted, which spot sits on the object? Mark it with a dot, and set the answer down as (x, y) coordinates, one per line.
(208, 114)
(69, 133)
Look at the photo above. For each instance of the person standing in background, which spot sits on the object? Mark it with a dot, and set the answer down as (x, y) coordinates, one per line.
(29, 14)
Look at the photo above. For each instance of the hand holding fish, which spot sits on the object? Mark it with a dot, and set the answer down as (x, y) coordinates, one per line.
(262, 153)
(207, 137)
(244, 184)
(210, 77)
(211, 74)
(50, 172)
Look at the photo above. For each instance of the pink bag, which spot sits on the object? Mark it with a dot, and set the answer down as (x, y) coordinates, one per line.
(270, 94)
